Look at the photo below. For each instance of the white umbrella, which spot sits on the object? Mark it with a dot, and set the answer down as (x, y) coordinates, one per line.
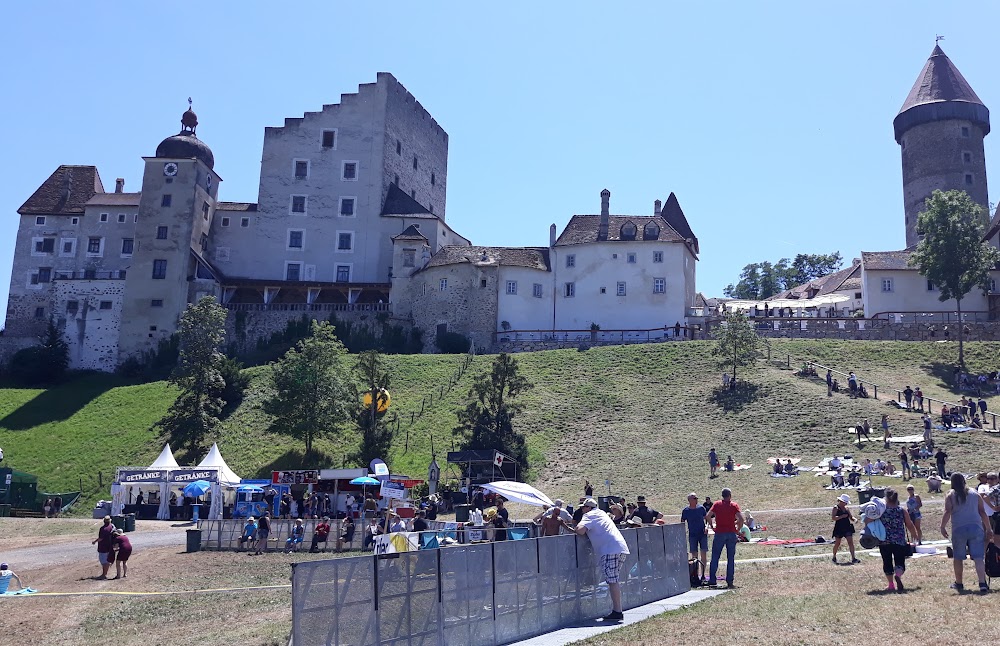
(519, 492)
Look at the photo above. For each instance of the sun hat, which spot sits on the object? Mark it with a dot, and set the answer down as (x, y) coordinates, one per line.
(558, 502)
(634, 521)
(640, 498)
(251, 518)
(844, 498)
(589, 502)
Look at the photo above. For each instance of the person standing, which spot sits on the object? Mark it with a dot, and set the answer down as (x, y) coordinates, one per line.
(982, 407)
(918, 396)
(588, 489)
(885, 432)
(829, 383)
(928, 438)
(57, 503)
(123, 550)
(908, 396)
(103, 540)
(269, 495)
(725, 518)
(992, 480)
(610, 546)
(843, 526)
(913, 505)
(500, 521)
(263, 531)
(349, 504)
(852, 383)
(647, 515)
(894, 549)
(713, 463)
(939, 459)
(694, 515)
(904, 464)
(970, 528)
(551, 521)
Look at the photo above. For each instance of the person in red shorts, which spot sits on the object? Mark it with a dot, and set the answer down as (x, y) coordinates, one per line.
(727, 520)
(123, 548)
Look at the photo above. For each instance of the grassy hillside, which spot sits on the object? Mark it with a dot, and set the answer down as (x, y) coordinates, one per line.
(642, 416)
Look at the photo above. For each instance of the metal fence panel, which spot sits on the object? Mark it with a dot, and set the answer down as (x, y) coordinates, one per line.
(467, 594)
(631, 583)
(333, 602)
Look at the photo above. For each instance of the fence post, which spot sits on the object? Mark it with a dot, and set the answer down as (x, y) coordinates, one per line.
(788, 361)
(100, 479)
(876, 390)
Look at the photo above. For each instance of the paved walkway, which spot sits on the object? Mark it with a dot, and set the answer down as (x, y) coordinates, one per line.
(584, 631)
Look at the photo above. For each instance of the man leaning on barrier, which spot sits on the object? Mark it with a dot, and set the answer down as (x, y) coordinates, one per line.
(610, 545)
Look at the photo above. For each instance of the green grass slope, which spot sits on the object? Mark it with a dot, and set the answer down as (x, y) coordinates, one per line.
(641, 416)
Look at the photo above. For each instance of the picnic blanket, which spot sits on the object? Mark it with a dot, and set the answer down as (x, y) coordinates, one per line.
(784, 460)
(845, 462)
(953, 429)
(790, 541)
(907, 439)
(861, 485)
(740, 467)
(783, 475)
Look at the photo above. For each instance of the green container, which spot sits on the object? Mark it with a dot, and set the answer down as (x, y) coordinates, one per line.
(118, 521)
(129, 523)
(194, 540)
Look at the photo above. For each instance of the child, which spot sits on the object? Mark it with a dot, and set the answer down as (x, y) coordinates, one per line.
(296, 537)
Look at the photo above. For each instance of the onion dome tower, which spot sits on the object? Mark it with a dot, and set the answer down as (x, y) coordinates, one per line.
(185, 144)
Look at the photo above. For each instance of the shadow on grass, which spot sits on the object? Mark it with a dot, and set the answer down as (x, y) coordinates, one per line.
(294, 459)
(58, 403)
(738, 398)
(885, 593)
(943, 372)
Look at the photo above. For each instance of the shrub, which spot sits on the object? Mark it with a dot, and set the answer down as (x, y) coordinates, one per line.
(452, 343)
(236, 380)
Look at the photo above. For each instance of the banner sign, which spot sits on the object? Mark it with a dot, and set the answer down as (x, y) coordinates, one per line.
(190, 475)
(126, 476)
(409, 482)
(396, 542)
(380, 469)
(300, 476)
(393, 490)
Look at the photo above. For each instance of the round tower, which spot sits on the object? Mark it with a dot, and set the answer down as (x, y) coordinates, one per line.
(940, 131)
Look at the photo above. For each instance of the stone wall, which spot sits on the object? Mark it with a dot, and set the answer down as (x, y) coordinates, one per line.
(9, 345)
(512, 347)
(246, 327)
(881, 330)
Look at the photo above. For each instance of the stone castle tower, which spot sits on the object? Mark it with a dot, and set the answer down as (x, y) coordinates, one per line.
(940, 131)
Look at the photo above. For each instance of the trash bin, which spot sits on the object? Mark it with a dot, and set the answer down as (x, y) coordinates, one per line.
(462, 513)
(864, 495)
(194, 540)
(118, 521)
(129, 523)
(4, 511)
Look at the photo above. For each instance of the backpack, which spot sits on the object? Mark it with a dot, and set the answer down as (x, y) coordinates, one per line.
(696, 572)
(992, 561)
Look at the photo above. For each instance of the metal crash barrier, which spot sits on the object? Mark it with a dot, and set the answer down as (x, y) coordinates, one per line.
(485, 593)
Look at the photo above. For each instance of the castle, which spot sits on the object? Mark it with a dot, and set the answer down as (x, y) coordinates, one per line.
(349, 217)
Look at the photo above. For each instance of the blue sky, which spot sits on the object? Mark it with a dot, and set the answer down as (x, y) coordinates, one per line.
(772, 122)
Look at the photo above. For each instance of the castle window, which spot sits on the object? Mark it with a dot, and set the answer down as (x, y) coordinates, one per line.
(156, 302)
(621, 288)
(395, 180)
(399, 147)
(345, 241)
(343, 273)
(68, 247)
(298, 204)
(104, 217)
(72, 307)
(74, 221)
(225, 222)
(106, 305)
(165, 200)
(604, 290)
(930, 286)
(413, 193)
(433, 180)
(203, 243)
(159, 269)
(45, 245)
(293, 270)
(993, 285)
(886, 284)
(443, 284)
(536, 290)
(301, 167)
(95, 246)
(571, 260)
(657, 256)
(295, 238)
(569, 290)
(631, 258)
(414, 162)
(409, 257)
(244, 222)
(968, 179)
(651, 231)
(347, 206)
(628, 231)
(329, 138)
(482, 283)
(349, 171)
(857, 294)
(965, 131)
(512, 287)
(659, 285)
(39, 312)
(204, 210)
(89, 274)
(967, 157)
(40, 220)
(121, 218)
(45, 274)
(162, 231)
(127, 245)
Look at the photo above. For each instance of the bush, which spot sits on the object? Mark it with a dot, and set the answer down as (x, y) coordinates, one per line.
(42, 364)
(236, 380)
(152, 365)
(452, 343)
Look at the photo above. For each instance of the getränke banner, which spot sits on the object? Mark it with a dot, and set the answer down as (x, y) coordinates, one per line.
(190, 475)
(126, 476)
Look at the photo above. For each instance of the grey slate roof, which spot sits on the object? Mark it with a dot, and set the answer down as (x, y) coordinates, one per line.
(235, 206)
(410, 233)
(115, 199)
(841, 280)
(939, 80)
(66, 191)
(887, 259)
(674, 215)
(530, 257)
(582, 229)
(397, 202)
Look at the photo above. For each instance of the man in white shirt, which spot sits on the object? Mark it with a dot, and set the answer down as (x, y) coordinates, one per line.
(397, 524)
(835, 463)
(350, 503)
(610, 546)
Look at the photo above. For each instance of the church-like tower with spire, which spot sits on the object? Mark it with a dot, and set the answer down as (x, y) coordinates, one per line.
(940, 131)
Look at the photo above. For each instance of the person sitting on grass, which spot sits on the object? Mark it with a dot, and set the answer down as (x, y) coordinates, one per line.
(934, 482)
(730, 464)
(6, 574)
(296, 537)
(854, 478)
(946, 416)
(776, 469)
(837, 479)
(976, 422)
(790, 468)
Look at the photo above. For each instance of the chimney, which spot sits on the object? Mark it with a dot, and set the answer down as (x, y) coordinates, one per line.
(855, 262)
(657, 206)
(119, 185)
(552, 235)
(602, 231)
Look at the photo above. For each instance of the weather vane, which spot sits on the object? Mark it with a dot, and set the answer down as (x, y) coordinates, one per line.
(936, 39)
(190, 103)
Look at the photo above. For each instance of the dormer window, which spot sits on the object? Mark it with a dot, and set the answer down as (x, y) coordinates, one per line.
(651, 231)
(628, 231)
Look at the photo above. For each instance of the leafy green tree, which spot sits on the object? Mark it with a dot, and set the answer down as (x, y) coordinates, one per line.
(376, 433)
(42, 364)
(952, 253)
(486, 423)
(810, 266)
(736, 342)
(313, 395)
(195, 412)
(760, 280)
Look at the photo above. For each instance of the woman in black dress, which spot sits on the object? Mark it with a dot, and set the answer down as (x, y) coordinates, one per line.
(843, 526)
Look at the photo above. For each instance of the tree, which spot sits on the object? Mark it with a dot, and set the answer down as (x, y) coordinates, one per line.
(736, 342)
(42, 364)
(486, 423)
(376, 434)
(313, 396)
(762, 280)
(810, 266)
(952, 253)
(195, 412)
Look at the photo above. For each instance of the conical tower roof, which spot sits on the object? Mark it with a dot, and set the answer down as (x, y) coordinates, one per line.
(940, 92)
